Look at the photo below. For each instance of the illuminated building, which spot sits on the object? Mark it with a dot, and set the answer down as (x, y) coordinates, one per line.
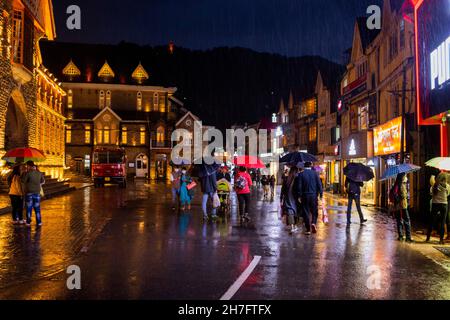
(31, 100)
(113, 101)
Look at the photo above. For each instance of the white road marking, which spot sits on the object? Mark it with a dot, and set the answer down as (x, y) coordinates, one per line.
(242, 278)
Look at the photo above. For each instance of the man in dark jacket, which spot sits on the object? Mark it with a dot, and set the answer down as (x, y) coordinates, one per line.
(309, 188)
(209, 188)
(354, 194)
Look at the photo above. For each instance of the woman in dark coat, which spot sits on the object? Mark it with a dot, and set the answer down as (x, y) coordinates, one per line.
(288, 200)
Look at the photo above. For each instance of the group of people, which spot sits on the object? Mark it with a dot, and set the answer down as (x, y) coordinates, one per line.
(268, 183)
(440, 199)
(300, 193)
(25, 190)
(183, 186)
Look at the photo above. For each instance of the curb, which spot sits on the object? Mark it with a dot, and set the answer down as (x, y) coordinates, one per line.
(7, 209)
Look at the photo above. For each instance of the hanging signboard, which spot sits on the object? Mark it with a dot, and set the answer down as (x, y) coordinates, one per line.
(387, 138)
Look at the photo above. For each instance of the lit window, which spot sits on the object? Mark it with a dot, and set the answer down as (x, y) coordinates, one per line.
(312, 133)
(155, 102)
(106, 135)
(311, 107)
(142, 135)
(162, 106)
(139, 74)
(18, 36)
(124, 135)
(87, 134)
(108, 99)
(363, 117)
(106, 72)
(139, 101)
(160, 134)
(68, 134)
(71, 70)
(101, 99)
(69, 99)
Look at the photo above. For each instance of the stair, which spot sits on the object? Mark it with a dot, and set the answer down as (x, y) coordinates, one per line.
(53, 187)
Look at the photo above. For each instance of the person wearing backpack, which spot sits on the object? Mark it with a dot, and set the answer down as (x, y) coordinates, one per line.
(242, 184)
(439, 192)
(354, 194)
(399, 196)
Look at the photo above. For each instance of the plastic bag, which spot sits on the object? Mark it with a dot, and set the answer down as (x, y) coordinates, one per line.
(324, 212)
(216, 200)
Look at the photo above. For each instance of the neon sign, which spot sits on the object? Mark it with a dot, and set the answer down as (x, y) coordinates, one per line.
(352, 148)
(440, 64)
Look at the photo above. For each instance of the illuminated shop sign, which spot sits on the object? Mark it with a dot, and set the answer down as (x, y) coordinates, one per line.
(432, 59)
(440, 64)
(387, 138)
(352, 148)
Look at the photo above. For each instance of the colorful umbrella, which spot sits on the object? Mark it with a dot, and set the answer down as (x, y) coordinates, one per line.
(393, 171)
(358, 172)
(441, 163)
(21, 155)
(249, 162)
(296, 157)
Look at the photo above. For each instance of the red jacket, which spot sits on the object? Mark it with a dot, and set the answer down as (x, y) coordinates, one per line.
(247, 177)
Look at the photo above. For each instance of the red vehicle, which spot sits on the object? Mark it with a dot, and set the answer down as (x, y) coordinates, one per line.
(109, 166)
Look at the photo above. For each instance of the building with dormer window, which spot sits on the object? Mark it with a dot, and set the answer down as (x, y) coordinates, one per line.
(112, 100)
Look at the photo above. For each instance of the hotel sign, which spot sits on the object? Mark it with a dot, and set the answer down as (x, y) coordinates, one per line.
(387, 138)
(432, 23)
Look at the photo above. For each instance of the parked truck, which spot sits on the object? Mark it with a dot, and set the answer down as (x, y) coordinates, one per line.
(109, 167)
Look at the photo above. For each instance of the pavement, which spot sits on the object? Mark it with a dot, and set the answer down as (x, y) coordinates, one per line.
(129, 244)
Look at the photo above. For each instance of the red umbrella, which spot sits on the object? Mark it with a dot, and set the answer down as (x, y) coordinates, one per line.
(24, 155)
(249, 162)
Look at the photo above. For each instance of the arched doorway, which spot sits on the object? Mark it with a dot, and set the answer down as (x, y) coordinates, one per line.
(16, 122)
(141, 166)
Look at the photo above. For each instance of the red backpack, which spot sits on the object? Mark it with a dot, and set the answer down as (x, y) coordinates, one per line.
(394, 194)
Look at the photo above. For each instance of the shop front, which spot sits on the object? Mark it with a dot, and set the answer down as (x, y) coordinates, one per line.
(387, 148)
(332, 167)
(358, 147)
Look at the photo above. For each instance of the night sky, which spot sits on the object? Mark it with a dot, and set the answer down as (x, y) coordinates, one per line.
(287, 27)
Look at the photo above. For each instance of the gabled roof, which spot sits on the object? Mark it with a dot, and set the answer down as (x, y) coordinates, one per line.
(185, 116)
(106, 71)
(104, 110)
(140, 74)
(366, 35)
(71, 69)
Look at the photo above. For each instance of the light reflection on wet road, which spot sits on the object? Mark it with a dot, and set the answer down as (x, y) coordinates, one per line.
(138, 248)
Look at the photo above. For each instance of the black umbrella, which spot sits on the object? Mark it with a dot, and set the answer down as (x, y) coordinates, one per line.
(358, 172)
(296, 157)
(207, 167)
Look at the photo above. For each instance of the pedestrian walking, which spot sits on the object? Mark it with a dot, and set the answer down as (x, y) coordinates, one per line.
(242, 184)
(258, 179)
(33, 181)
(266, 186)
(16, 194)
(185, 194)
(209, 188)
(400, 197)
(309, 188)
(175, 183)
(288, 200)
(439, 193)
(353, 189)
(272, 183)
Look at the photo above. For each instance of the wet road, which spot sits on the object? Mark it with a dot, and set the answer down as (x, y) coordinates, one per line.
(131, 245)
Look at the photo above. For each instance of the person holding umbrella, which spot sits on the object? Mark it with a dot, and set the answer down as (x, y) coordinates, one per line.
(353, 189)
(400, 195)
(16, 194)
(33, 181)
(439, 193)
(242, 184)
(356, 174)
